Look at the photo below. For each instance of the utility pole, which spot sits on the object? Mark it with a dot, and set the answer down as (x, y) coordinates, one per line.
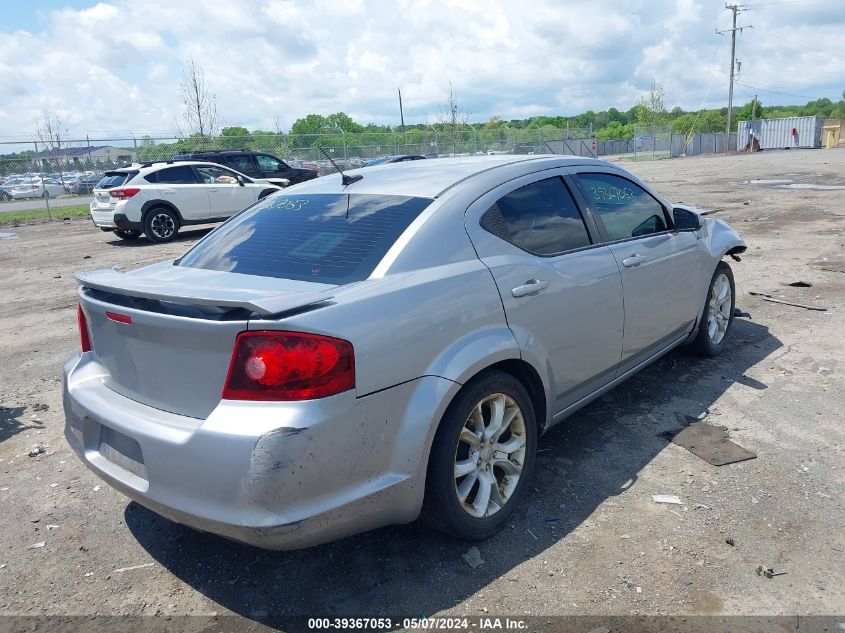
(754, 108)
(736, 9)
(401, 116)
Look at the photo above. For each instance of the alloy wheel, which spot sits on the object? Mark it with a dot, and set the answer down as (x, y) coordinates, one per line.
(163, 226)
(490, 455)
(719, 307)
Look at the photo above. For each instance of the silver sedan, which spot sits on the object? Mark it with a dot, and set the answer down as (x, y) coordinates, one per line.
(368, 348)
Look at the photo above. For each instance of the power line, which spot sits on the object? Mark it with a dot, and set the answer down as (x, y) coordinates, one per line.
(775, 4)
(786, 94)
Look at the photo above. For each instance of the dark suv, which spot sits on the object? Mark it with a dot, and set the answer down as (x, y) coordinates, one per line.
(255, 164)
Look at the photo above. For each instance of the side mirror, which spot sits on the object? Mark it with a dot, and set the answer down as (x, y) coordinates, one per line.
(686, 220)
(241, 181)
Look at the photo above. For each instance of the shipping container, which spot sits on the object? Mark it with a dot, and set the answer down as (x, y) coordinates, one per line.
(794, 131)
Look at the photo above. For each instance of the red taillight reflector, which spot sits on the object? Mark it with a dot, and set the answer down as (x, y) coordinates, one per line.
(289, 366)
(84, 336)
(119, 318)
(123, 194)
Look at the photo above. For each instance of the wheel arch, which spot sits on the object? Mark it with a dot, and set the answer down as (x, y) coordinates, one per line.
(149, 205)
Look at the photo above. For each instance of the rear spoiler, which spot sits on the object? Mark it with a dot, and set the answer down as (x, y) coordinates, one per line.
(261, 302)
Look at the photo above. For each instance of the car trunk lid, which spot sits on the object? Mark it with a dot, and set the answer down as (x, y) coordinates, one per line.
(165, 334)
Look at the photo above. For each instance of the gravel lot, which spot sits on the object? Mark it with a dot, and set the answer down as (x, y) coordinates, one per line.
(583, 543)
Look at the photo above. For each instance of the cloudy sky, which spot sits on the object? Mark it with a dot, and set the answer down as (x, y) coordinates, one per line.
(115, 66)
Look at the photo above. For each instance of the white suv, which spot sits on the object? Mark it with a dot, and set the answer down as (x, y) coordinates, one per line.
(156, 199)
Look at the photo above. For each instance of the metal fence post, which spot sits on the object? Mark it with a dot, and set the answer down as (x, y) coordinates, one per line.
(41, 172)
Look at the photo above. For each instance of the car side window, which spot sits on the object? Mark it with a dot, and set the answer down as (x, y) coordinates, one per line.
(181, 175)
(626, 209)
(268, 163)
(216, 175)
(540, 218)
(241, 163)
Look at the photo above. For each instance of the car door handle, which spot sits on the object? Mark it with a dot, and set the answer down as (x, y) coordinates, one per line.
(634, 260)
(213, 189)
(529, 287)
(168, 191)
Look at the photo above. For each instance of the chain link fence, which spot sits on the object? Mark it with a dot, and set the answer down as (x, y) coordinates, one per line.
(62, 173)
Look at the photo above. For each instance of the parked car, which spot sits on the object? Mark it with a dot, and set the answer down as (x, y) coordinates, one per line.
(85, 183)
(393, 159)
(355, 352)
(37, 188)
(156, 199)
(11, 183)
(254, 164)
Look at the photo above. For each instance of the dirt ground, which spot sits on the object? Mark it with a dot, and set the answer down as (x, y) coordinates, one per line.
(583, 543)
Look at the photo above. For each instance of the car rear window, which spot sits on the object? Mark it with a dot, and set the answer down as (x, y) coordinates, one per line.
(115, 179)
(326, 238)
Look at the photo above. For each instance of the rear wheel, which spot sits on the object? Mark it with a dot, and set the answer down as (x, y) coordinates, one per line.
(718, 314)
(126, 234)
(482, 457)
(161, 224)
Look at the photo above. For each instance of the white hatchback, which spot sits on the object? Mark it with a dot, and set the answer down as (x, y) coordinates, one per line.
(156, 199)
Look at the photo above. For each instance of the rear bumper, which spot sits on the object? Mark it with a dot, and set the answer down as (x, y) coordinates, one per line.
(274, 475)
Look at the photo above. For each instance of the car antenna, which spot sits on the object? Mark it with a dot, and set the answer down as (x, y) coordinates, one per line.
(346, 180)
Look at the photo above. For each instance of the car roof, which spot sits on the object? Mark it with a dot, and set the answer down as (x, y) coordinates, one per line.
(431, 178)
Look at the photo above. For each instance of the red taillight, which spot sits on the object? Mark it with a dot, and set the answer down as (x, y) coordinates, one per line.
(289, 366)
(84, 336)
(123, 194)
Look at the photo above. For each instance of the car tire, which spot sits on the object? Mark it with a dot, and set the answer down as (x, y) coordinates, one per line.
(127, 234)
(161, 225)
(475, 504)
(718, 314)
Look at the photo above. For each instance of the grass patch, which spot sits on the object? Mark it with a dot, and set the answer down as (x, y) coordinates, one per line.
(30, 216)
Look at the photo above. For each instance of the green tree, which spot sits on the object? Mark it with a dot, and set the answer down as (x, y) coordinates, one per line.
(616, 131)
(650, 109)
(754, 106)
(309, 124)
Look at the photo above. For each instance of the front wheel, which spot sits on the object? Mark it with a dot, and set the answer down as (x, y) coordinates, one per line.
(161, 225)
(718, 314)
(481, 458)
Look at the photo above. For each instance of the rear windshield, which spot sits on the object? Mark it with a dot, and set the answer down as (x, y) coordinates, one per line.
(326, 238)
(115, 179)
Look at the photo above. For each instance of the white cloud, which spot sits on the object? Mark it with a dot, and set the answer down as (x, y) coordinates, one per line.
(115, 66)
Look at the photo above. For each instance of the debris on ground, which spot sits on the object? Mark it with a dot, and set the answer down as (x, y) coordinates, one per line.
(768, 572)
(739, 314)
(674, 499)
(472, 557)
(730, 541)
(801, 284)
(627, 484)
(38, 545)
(40, 407)
(710, 443)
(123, 569)
(772, 299)
(37, 450)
